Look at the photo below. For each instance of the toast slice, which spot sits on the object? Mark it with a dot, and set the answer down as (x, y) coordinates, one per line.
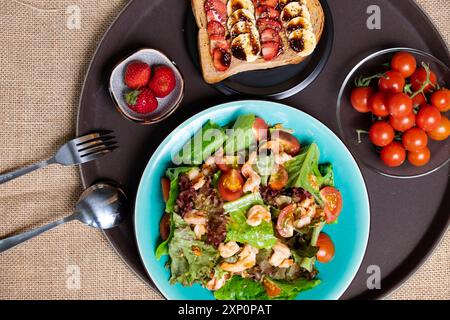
(289, 56)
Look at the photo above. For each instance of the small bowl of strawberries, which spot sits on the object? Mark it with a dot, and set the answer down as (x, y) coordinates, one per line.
(147, 87)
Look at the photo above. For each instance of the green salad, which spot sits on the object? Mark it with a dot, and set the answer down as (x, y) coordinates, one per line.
(246, 204)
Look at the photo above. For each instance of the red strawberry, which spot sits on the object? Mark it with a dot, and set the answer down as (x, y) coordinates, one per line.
(137, 75)
(163, 81)
(270, 50)
(141, 101)
(222, 59)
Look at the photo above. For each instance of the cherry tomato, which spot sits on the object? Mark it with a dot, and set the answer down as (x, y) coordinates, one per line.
(360, 98)
(333, 203)
(392, 82)
(227, 163)
(271, 287)
(415, 139)
(165, 186)
(403, 123)
(260, 129)
(326, 248)
(279, 179)
(287, 141)
(419, 100)
(405, 63)
(394, 155)
(399, 105)
(428, 118)
(381, 134)
(231, 185)
(419, 158)
(285, 221)
(378, 106)
(441, 100)
(442, 132)
(164, 226)
(419, 78)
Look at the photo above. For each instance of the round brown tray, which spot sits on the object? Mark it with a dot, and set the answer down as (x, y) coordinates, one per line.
(408, 217)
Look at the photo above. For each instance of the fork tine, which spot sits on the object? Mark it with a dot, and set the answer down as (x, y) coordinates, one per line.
(96, 155)
(94, 143)
(97, 149)
(90, 137)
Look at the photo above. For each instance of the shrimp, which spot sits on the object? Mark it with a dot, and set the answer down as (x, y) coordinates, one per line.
(197, 178)
(280, 156)
(247, 260)
(307, 212)
(257, 214)
(209, 166)
(281, 252)
(195, 217)
(228, 250)
(199, 230)
(253, 179)
(215, 284)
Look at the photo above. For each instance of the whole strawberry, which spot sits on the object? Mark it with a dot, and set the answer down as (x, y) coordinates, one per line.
(141, 101)
(163, 81)
(137, 75)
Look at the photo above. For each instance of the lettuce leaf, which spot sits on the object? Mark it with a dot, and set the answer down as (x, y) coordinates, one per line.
(241, 136)
(261, 237)
(202, 145)
(174, 175)
(238, 288)
(191, 260)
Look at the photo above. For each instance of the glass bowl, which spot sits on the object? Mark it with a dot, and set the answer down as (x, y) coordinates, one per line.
(349, 120)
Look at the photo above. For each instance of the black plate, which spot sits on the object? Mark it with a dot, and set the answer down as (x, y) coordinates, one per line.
(408, 218)
(277, 83)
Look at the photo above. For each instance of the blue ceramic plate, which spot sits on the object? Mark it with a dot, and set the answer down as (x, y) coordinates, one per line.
(350, 235)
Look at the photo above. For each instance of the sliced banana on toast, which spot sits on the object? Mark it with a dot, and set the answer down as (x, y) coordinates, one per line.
(302, 41)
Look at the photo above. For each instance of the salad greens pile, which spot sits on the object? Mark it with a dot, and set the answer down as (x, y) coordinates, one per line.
(194, 259)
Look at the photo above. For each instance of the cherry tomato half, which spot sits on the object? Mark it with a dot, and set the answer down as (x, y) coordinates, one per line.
(404, 123)
(405, 63)
(415, 139)
(326, 248)
(260, 129)
(272, 289)
(441, 100)
(378, 106)
(360, 98)
(419, 78)
(394, 155)
(285, 220)
(428, 118)
(381, 134)
(165, 186)
(333, 203)
(392, 82)
(442, 132)
(279, 179)
(399, 105)
(164, 226)
(231, 185)
(419, 158)
(287, 141)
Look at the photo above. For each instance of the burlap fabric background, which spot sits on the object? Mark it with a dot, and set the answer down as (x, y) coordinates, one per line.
(42, 65)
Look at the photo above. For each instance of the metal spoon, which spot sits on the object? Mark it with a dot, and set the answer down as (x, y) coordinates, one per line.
(100, 206)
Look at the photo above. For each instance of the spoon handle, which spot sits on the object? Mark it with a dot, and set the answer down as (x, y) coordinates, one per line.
(8, 243)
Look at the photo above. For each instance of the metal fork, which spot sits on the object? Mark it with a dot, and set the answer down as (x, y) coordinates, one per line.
(77, 151)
